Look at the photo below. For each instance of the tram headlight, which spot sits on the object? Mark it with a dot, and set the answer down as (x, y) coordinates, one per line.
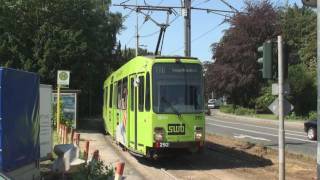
(198, 133)
(158, 134)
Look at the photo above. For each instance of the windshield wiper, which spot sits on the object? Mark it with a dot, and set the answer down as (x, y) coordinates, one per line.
(171, 106)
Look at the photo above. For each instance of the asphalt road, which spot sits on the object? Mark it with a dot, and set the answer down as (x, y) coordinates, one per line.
(265, 133)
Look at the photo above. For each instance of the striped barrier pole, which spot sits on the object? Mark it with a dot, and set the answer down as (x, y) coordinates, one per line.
(77, 139)
(86, 151)
(72, 136)
(95, 156)
(119, 171)
(60, 133)
(66, 135)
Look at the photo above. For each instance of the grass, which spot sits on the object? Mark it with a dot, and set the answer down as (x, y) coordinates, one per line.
(266, 116)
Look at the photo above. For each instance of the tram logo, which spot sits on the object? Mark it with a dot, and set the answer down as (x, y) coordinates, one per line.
(176, 129)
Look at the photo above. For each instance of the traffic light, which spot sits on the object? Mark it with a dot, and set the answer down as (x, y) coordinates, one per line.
(266, 59)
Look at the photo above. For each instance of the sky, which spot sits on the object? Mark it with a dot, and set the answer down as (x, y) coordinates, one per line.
(206, 28)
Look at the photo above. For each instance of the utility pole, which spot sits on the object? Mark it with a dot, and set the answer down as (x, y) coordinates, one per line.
(281, 121)
(187, 27)
(137, 31)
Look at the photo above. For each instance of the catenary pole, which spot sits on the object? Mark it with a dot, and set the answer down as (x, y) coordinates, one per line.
(187, 27)
(137, 31)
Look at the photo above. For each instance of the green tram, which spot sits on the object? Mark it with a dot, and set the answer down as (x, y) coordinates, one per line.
(154, 105)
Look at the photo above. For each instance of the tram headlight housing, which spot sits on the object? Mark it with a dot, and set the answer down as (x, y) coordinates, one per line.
(158, 134)
(198, 133)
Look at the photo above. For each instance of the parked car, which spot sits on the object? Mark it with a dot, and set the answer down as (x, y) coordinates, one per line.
(213, 103)
(310, 127)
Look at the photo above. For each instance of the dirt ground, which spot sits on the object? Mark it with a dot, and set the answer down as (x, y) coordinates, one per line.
(222, 159)
(264, 159)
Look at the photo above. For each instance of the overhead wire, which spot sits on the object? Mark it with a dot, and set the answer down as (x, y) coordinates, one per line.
(199, 37)
(150, 34)
(205, 1)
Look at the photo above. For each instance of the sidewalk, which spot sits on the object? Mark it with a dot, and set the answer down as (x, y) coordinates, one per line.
(294, 124)
(107, 154)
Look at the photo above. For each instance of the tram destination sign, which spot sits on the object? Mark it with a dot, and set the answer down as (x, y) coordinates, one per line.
(177, 69)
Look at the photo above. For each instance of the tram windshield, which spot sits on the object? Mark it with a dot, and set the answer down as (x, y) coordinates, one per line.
(177, 88)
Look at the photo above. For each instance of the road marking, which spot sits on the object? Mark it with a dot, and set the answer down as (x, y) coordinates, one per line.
(257, 132)
(242, 136)
(257, 126)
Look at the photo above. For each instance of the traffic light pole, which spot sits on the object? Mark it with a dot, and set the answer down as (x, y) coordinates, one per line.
(281, 121)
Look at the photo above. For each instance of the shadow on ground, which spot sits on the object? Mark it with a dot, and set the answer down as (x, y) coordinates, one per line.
(91, 124)
(215, 156)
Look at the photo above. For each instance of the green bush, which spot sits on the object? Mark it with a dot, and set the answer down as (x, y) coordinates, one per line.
(227, 109)
(303, 89)
(238, 110)
(94, 171)
(312, 115)
(264, 100)
(244, 111)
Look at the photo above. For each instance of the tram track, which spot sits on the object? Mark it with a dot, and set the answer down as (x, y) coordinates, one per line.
(221, 159)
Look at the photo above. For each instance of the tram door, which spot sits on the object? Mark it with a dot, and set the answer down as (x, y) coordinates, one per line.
(132, 113)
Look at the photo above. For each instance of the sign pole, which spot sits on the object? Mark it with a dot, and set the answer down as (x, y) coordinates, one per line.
(58, 107)
(281, 121)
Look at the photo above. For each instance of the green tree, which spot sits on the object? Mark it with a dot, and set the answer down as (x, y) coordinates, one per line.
(235, 70)
(303, 89)
(299, 25)
(45, 36)
(299, 28)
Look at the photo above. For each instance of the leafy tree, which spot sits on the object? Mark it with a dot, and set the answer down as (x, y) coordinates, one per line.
(303, 89)
(299, 28)
(45, 36)
(235, 72)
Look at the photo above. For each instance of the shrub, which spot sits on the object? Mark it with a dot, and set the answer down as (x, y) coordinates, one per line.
(94, 171)
(244, 111)
(238, 110)
(264, 100)
(227, 109)
(312, 115)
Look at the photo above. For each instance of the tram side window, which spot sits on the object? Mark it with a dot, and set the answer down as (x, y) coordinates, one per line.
(106, 96)
(110, 95)
(115, 94)
(132, 94)
(119, 94)
(141, 93)
(148, 92)
(124, 93)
